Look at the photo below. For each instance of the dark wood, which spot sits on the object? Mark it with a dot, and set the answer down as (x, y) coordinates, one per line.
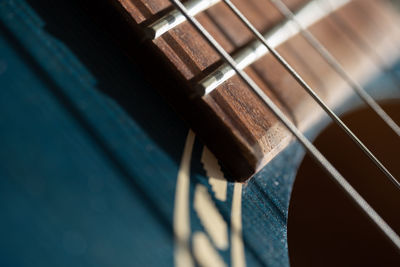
(232, 121)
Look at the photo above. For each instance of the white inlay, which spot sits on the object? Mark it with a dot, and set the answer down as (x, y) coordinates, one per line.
(181, 222)
(215, 176)
(205, 253)
(210, 217)
(237, 250)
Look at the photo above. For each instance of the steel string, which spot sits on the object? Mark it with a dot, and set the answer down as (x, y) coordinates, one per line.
(318, 157)
(311, 92)
(332, 61)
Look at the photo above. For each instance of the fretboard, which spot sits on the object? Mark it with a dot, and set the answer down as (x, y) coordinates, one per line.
(233, 122)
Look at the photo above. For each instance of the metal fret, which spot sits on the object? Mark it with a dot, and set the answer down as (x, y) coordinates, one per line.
(383, 64)
(330, 59)
(174, 18)
(310, 14)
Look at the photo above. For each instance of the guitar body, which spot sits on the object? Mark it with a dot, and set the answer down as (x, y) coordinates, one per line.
(98, 170)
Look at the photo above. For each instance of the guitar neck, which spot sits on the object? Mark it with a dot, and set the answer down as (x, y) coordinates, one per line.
(233, 122)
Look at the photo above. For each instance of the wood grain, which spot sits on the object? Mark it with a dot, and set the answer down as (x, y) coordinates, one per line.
(233, 122)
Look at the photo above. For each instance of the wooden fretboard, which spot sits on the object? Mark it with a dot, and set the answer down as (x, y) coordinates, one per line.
(232, 120)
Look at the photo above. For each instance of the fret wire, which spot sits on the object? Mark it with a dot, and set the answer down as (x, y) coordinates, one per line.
(314, 152)
(330, 59)
(311, 92)
(369, 51)
(354, 35)
(174, 18)
(309, 14)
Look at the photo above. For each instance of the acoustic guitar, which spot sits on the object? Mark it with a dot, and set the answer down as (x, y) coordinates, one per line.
(199, 133)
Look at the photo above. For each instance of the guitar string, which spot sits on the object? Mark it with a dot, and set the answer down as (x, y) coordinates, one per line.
(314, 152)
(309, 14)
(332, 61)
(312, 93)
